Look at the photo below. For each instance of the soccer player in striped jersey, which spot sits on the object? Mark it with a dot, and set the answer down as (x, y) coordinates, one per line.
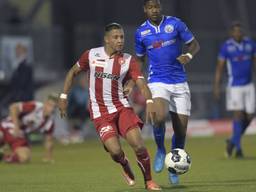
(109, 69)
(238, 53)
(28, 117)
(160, 38)
(19, 147)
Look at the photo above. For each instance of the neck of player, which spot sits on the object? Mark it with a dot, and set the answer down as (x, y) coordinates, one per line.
(157, 21)
(110, 52)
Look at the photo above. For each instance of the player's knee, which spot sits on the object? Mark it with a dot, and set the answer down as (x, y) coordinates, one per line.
(115, 151)
(160, 119)
(140, 149)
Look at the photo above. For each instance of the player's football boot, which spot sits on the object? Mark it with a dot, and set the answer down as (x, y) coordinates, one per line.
(173, 178)
(229, 148)
(159, 161)
(239, 154)
(152, 186)
(128, 179)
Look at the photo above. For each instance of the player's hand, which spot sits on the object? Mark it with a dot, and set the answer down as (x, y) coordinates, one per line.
(128, 87)
(150, 113)
(183, 59)
(62, 104)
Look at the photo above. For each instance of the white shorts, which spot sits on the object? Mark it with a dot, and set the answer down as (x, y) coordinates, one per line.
(241, 98)
(178, 96)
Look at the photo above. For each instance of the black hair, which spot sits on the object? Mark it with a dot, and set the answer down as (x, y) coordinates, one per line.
(235, 24)
(112, 26)
(145, 2)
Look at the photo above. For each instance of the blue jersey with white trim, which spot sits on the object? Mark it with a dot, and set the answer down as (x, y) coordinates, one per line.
(239, 59)
(163, 44)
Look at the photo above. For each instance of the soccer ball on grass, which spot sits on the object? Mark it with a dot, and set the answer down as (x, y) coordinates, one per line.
(178, 161)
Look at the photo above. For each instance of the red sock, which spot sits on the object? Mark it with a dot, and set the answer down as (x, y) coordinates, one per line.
(143, 161)
(12, 158)
(120, 158)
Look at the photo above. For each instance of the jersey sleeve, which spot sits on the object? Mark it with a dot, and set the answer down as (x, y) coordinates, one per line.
(139, 47)
(134, 70)
(185, 34)
(83, 62)
(223, 53)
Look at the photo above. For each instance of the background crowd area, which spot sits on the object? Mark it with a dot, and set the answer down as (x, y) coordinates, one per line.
(54, 33)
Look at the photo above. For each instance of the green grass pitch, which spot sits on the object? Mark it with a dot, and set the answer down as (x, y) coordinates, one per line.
(88, 168)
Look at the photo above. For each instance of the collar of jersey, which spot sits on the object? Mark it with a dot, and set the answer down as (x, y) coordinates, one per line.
(157, 28)
(106, 56)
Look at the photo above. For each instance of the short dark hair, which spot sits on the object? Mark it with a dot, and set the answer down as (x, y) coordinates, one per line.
(145, 2)
(112, 26)
(235, 24)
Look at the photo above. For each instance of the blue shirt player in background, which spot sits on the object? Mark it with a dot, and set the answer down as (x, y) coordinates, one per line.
(238, 53)
(160, 38)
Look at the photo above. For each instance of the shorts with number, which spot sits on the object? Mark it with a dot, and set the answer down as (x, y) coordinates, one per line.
(178, 96)
(118, 123)
(241, 98)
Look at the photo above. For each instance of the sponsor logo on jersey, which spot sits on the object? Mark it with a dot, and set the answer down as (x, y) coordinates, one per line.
(159, 44)
(97, 55)
(146, 32)
(168, 28)
(106, 76)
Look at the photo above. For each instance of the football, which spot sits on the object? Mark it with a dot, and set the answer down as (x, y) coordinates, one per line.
(178, 161)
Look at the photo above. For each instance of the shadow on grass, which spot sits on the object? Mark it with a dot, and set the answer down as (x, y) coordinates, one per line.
(199, 186)
(132, 189)
(164, 188)
(246, 158)
(227, 182)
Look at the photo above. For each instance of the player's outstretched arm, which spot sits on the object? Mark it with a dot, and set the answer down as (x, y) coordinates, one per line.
(145, 91)
(14, 113)
(193, 48)
(217, 79)
(67, 85)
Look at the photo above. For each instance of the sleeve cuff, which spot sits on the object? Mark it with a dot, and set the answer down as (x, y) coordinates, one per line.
(190, 40)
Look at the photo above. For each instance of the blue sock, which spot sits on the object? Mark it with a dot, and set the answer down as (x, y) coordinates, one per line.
(178, 142)
(237, 132)
(159, 133)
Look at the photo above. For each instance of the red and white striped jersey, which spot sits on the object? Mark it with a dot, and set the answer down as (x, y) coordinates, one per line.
(107, 76)
(31, 118)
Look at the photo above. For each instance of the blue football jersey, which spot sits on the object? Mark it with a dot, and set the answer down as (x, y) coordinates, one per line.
(239, 59)
(163, 44)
